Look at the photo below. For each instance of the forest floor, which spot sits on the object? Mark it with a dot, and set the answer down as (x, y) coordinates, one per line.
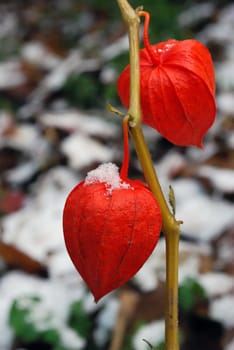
(59, 62)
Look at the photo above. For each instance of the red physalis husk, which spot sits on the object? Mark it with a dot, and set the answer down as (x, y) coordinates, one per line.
(109, 236)
(110, 229)
(177, 89)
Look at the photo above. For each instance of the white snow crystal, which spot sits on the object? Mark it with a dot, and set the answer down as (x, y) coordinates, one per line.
(107, 173)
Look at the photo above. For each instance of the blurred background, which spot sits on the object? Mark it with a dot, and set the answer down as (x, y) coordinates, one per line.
(59, 62)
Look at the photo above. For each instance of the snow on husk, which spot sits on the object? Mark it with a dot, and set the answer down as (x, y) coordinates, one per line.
(107, 173)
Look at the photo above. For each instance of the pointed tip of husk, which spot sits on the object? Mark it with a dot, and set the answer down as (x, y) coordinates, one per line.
(200, 145)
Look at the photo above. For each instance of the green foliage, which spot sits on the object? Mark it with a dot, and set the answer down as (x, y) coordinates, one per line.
(83, 90)
(19, 320)
(22, 321)
(109, 8)
(163, 14)
(190, 292)
(160, 346)
(9, 47)
(86, 91)
(79, 320)
(32, 322)
(5, 104)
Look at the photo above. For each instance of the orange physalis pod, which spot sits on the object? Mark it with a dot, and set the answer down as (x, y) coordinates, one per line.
(111, 226)
(177, 88)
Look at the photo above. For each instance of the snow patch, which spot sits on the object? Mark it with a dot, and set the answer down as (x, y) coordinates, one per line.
(83, 151)
(36, 53)
(70, 339)
(153, 333)
(196, 14)
(78, 121)
(52, 310)
(222, 310)
(36, 229)
(205, 218)
(222, 179)
(11, 74)
(109, 174)
(216, 283)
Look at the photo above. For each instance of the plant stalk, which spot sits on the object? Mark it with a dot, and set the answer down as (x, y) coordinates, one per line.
(171, 227)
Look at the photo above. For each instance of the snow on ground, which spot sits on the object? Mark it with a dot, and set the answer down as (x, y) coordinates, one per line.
(37, 228)
(152, 333)
(55, 297)
(75, 148)
(223, 307)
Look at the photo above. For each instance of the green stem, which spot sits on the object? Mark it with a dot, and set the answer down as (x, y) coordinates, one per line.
(172, 258)
(150, 175)
(171, 227)
(132, 21)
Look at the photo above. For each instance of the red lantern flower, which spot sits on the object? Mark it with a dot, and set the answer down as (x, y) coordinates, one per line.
(111, 225)
(177, 88)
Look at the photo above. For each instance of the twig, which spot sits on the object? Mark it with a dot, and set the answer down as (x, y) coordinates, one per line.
(128, 301)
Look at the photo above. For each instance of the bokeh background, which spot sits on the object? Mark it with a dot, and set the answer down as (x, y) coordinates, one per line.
(59, 62)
